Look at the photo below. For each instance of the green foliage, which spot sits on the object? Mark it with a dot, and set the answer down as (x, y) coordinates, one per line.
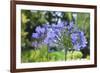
(38, 55)
(83, 21)
(67, 15)
(77, 55)
(74, 55)
(56, 56)
(41, 55)
(88, 57)
(66, 40)
(69, 55)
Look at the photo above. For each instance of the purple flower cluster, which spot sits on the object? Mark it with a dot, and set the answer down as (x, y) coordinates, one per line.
(78, 40)
(40, 31)
(51, 34)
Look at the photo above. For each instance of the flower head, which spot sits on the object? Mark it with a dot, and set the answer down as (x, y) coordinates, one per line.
(53, 34)
(78, 40)
(40, 30)
(71, 25)
(51, 37)
(35, 35)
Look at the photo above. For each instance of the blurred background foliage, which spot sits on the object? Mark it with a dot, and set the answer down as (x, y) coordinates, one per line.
(30, 19)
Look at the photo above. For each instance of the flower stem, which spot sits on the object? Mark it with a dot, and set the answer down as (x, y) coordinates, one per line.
(65, 54)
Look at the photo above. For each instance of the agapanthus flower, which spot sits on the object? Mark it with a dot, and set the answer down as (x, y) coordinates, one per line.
(83, 40)
(35, 35)
(46, 26)
(60, 25)
(49, 41)
(78, 40)
(69, 25)
(52, 34)
(40, 31)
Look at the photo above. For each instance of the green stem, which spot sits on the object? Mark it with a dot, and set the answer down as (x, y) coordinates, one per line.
(65, 54)
(47, 55)
(72, 52)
